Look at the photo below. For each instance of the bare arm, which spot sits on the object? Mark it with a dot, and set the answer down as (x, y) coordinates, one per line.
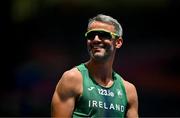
(66, 92)
(132, 109)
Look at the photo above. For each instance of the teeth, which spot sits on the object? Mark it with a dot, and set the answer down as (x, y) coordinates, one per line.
(97, 47)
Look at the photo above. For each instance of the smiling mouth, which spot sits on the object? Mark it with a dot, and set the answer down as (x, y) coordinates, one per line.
(96, 48)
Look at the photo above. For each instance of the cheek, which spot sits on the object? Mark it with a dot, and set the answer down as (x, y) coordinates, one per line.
(88, 43)
(108, 43)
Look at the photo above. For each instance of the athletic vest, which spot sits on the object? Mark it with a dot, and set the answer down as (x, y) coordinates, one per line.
(98, 101)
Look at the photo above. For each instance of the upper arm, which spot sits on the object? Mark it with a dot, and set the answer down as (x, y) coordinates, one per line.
(132, 109)
(66, 92)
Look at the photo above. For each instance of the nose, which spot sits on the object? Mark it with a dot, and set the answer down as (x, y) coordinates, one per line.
(96, 38)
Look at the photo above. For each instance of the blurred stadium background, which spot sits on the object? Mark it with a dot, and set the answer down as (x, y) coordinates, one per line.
(40, 39)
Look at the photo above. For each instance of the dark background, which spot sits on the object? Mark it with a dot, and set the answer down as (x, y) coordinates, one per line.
(40, 39)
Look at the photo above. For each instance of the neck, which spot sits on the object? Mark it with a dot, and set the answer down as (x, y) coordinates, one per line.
(101, 72)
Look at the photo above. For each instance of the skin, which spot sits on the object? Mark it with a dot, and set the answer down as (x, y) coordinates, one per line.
(102, 53)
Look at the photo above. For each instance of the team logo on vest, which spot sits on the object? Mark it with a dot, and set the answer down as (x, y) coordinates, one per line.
(119, 93)
(105, 92)
(90, 88)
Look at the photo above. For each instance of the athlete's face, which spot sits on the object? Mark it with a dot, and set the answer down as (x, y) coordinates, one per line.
(101, 46)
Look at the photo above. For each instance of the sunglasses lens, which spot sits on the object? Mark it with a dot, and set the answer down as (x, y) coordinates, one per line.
(101, 34)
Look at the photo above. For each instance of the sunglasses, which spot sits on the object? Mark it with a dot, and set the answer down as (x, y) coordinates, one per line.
(102, 34)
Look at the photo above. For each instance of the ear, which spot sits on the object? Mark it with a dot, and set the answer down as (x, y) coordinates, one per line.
(119, 42)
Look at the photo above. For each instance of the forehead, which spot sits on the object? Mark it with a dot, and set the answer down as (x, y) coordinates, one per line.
(101, 25)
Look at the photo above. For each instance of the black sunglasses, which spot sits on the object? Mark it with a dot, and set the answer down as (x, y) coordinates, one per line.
(102, 34)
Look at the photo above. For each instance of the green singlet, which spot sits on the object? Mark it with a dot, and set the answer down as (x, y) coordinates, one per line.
(98, 101)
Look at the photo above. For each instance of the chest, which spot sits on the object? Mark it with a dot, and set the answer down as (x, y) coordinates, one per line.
(97, 100)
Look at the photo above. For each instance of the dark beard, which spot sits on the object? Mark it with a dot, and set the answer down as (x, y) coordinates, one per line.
(103, 58)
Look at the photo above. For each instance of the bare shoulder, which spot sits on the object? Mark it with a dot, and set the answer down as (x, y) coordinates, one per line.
(132, 97)
(71, 81)
(131, 92)
(72, 75)
(67, 90)
(129, 86)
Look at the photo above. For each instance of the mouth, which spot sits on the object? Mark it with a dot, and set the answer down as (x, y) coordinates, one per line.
(96, 48)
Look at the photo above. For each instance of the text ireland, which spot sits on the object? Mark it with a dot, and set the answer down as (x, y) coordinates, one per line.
(104, 105)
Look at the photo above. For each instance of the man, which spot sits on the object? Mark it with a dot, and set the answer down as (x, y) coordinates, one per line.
(93, 89)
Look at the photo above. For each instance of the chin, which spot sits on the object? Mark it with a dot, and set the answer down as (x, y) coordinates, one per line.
(99, 57)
